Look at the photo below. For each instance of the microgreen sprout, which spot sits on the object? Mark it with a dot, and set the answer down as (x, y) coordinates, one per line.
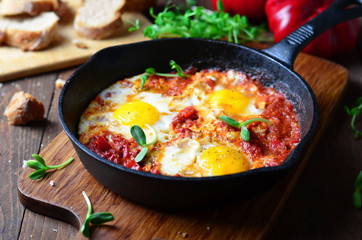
(354, 112)
(197, 22)
(41, 167)
(95, 218)
(135, 25)
(173, 65)
(244, 133)
(357, 196)
(140, 137)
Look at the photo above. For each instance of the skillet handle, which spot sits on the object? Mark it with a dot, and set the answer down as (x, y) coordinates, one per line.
(288, 48)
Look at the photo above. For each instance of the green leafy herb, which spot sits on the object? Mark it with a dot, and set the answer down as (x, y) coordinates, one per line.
(140, 137)
(244, 133)
(95, 218)
(41, 167)
(198, 22)
(354, 112)
(173, 65)
(136, 25)
(220, 6)
(357, 196)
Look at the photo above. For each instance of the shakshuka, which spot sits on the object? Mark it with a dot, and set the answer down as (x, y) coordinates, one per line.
(184, 114)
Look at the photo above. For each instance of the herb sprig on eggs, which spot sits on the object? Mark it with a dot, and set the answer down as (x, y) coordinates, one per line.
(244, 133)
(140, 137)
(151, 70)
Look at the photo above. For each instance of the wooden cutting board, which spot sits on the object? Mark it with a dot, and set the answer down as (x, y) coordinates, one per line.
(250, 219)
(15, 63)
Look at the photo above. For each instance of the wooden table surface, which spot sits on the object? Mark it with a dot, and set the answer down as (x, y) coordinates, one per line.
(319, 207)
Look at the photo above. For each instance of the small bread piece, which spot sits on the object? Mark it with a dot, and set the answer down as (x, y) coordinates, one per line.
(23, 108)
(29, 7)
(99, 19)
(30, 33)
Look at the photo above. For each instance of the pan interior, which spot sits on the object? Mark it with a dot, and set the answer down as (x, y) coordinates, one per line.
(115, 63)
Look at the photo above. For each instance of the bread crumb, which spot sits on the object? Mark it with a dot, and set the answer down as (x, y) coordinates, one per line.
(25, 163)
(79, 44)
(24, 108)
(59, 83)
(183, 234)
(55, 230)
(52, 183)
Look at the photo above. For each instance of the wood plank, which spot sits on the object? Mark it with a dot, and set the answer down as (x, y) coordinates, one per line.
(17, 143)
(33, 224)
(138, 222)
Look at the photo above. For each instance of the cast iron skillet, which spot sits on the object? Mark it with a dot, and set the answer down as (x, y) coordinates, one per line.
(274, 65)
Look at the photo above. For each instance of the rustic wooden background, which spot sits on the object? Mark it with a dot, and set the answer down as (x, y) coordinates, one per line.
(318, 208)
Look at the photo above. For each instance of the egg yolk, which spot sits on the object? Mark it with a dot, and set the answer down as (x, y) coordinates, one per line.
(221, 160)
(137, 113)
(232, 102)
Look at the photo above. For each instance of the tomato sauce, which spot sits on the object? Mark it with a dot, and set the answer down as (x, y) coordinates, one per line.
(269, 145)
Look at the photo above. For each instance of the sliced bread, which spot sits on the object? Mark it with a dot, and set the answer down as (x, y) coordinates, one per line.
(99, 19)
(30, 33)
(27, 7)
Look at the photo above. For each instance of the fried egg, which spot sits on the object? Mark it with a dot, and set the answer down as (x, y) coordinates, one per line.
(194, 143)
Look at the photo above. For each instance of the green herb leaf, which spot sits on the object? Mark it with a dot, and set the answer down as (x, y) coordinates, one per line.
(135, 24)
(35, 164)
(38, 158)
(85, 229)
(138, 135)
(244, 133)
(144, 78)
(95, 218)
(151, 70)
(141, 154)
(357, 200)
(358, 182)
(100, 218)
(354, 112)
(41, 166)
(348, 110)
(220, 6)
(230, 121)
(175, 66)
(37, 174)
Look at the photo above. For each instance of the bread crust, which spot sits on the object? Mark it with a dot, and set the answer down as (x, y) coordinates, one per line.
(27, 7)
(31, 41)
(14, 33)
(24, 108)
(98, 33)
(2, 36)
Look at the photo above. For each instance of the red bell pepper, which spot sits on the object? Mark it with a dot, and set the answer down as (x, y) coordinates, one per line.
(284, 16)
(253, 9)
